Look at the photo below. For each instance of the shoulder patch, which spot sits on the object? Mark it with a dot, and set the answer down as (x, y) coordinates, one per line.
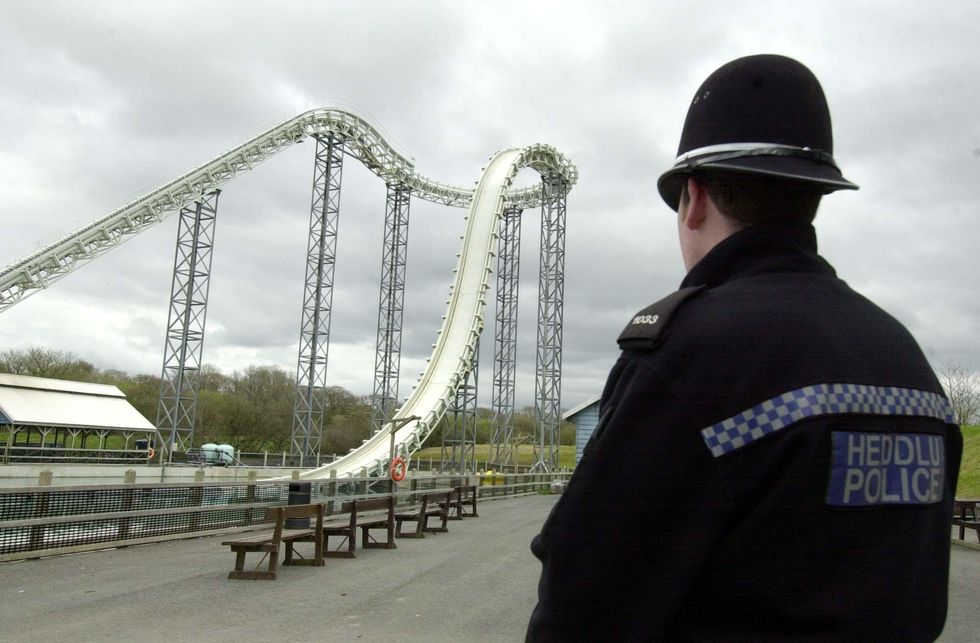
(645, 327)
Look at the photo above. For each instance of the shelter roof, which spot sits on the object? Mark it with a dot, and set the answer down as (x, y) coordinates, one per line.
(38, 401)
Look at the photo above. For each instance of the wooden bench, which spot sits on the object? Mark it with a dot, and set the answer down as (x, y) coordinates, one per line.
(270, 542)
(965, 517)
(464, 496)
(434, 504)
(363, 514)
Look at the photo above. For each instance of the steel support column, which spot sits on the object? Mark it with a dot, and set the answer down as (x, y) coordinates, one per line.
(391, 305)
(311, 370)
(459, 444)
(551, 294)
(177, 406)
(505, 339)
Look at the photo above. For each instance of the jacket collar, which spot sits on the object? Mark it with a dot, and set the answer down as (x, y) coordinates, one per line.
(764, 247)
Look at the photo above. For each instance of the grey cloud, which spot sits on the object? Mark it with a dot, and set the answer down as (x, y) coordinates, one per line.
(102, 100)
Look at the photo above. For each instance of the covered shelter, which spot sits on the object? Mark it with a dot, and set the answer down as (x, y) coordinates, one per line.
(48, 420)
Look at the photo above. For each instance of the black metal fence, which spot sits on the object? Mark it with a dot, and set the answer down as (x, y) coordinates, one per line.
(41, 521)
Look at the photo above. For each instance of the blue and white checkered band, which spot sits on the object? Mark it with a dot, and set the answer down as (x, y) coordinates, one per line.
(821, 399)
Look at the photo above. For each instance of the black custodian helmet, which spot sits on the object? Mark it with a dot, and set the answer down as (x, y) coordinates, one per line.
(761, 115)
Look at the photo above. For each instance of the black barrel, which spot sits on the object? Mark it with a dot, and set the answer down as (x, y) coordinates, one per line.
(299, 494)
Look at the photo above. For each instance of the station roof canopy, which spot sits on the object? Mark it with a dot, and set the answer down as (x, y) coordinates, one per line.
(38, 401)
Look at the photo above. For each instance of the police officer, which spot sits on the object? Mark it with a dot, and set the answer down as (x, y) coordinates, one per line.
(775, 460)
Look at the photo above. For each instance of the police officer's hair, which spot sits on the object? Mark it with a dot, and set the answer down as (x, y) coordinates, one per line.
(748, 199)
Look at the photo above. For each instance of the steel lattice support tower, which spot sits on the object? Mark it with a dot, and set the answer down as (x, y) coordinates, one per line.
(459, 446)
(391, 304)
(505, 338)
(177, 406)
(311, 370)
(551, 296)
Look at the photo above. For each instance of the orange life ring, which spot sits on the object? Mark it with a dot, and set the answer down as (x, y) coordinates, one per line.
(398, 468)
(150, 453)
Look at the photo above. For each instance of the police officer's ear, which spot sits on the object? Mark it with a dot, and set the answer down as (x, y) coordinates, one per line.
(694, 204)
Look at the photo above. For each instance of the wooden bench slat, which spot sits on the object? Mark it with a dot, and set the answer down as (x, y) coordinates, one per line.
(435, 504)
(966, 516)
(463, 496)
(364, 515)
(270, 542)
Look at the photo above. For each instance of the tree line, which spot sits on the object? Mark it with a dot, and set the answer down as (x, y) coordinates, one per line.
(251, 409)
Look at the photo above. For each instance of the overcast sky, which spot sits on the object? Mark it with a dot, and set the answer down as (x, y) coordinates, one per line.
(102, 101)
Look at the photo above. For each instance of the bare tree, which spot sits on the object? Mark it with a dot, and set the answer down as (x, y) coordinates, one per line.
(44, 362)
(963, 390)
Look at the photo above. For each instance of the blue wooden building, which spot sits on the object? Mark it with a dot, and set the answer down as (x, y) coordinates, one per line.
(585, 417)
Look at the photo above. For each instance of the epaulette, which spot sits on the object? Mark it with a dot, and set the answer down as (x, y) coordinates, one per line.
(644, 329)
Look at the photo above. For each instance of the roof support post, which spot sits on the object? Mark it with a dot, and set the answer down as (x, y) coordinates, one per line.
(391, 307)
(551, 296)
(184, 345)
(311, 371)
(505, 339)
(12, 430)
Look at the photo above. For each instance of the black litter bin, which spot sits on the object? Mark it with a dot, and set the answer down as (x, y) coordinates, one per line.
(299, 494)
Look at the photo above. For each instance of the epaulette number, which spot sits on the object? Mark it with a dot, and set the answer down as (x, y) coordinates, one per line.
(644, 328)
(646, 319)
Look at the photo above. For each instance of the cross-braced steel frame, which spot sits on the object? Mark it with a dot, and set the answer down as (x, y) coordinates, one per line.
(391, 306)
(177, 406)
(505, 339)
(314, 343)
(458, 452)
(551, 296)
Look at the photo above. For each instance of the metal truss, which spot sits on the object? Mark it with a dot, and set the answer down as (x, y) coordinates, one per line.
(177, 406)
(365, 140)
(459, 434)
(368, 143)
(505, 338)
(314, 343)
(551, 295)
(391, 306)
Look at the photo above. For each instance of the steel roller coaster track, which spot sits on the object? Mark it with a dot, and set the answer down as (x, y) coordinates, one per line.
(464, 319)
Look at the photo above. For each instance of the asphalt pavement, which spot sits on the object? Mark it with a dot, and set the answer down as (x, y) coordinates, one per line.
(476, 583)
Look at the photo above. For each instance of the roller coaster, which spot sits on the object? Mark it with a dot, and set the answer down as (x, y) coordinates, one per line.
(492, 231)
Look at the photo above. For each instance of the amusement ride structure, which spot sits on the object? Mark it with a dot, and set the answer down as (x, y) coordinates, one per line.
(448, 383)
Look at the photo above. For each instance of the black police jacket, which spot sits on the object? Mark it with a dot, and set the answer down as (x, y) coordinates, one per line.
(774, 461)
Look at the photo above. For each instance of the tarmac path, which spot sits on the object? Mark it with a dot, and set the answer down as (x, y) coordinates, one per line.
(476, 583)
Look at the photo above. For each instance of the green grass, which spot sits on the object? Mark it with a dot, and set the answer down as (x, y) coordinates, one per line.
(969, 483)
(525, 455)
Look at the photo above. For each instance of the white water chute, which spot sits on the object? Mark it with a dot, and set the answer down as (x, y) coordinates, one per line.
(463, 322)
